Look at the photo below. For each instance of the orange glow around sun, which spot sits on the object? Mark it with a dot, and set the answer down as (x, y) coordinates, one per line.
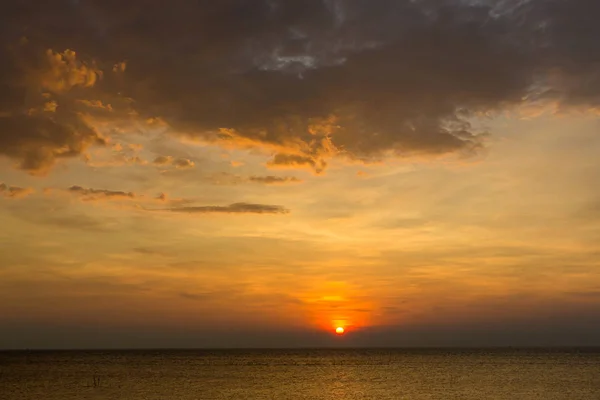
(339, 330)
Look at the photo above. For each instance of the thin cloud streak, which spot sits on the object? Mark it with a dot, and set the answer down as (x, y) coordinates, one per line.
(274, 180)
(236, 208)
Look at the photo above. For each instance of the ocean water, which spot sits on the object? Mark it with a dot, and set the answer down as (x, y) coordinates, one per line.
(302, 374)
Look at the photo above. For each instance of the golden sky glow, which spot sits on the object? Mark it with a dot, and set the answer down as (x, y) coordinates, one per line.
(137, 196)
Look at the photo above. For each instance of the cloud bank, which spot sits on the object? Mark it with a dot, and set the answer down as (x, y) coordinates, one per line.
(305, 80)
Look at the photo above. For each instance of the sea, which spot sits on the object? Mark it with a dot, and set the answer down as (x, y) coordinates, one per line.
(341, 374)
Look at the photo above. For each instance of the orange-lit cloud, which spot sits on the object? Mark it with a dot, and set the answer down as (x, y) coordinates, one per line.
(65, 72)
(36, 140)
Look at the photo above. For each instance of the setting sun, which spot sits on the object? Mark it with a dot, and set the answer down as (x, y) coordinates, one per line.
(339, 330)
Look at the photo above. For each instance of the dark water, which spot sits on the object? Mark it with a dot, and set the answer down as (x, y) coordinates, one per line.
(302, 374)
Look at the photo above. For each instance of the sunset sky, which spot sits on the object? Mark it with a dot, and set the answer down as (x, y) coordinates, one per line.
(240, 173)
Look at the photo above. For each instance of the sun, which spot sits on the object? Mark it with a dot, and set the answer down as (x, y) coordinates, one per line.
(339, 330)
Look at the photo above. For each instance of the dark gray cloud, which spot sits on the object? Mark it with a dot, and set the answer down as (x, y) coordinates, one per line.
(37, 142)
(307, 79)
(566, 33)
(236, 208)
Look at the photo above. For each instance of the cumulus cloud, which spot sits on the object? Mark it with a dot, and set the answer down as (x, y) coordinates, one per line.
(274, 180)
(306, 80)
(14, 192)
(236, 208)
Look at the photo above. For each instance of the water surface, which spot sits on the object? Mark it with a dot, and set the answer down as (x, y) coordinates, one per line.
(302, 374)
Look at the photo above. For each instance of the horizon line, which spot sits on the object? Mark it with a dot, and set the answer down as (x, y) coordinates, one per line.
(499, 347)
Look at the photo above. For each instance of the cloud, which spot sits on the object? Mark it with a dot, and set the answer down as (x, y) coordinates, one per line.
(183, 163)
(274, 180)
(64, 72)
(226, 178)
(14, 192)
(162, 197)
(305, 80)
(179, 163)
(369, 93)
(117, 160)
(566, 33)
(118, 155)
(296, 161)
(100, 194)
(36, 143)
(236, 208)
(38, 122)
(163, 160)
(105, 195)
(96, 104)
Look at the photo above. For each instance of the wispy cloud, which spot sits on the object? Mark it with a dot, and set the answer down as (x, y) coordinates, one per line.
(108, 195)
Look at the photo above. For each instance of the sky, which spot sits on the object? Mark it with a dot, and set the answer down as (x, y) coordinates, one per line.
(256, 173)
